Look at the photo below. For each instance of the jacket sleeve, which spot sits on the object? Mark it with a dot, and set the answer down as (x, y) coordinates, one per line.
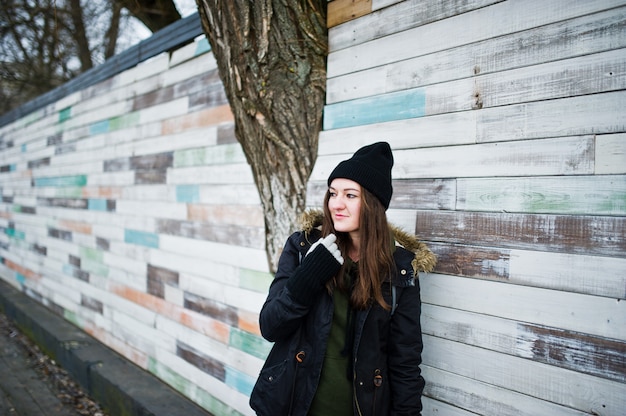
(405, 355)
(296, 285)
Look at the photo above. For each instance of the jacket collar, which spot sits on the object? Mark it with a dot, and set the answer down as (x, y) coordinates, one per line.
(424, 260)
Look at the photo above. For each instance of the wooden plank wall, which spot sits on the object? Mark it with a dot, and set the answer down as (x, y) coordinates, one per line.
(508, 124)
(129, 209)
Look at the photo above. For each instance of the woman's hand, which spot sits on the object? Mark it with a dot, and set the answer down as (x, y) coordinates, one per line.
(329, 243)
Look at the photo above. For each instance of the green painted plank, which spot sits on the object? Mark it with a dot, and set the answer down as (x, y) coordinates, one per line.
(584, 195)
(255, 280)
(249, 343)
(124, 121)
(189, 157)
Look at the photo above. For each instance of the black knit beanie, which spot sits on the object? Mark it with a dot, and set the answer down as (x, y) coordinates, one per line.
(370, 167)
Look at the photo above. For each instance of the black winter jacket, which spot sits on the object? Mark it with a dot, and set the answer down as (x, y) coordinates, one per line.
(387, 348)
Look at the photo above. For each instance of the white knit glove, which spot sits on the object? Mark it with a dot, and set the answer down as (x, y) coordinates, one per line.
(329, 243)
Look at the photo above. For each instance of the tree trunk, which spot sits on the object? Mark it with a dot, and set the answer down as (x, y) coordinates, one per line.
(113, 31)
(80, 36)
(271, 56)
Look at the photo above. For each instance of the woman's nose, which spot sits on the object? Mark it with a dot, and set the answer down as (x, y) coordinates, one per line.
(337, 203)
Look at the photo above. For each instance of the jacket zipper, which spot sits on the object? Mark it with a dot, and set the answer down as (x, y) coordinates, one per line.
(299, 359)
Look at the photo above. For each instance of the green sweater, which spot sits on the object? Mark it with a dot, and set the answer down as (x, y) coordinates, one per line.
(334, 392)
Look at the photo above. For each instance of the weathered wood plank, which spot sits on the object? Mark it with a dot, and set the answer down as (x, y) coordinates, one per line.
(548, 383)
(582, 353)
(560, 40)
(560, 156)
(404, 15)
(487, 399)
(500, 19)
(611, 153)
(202, 258)
(341, 11)
(407, 194)
(245, 236)
(589, 114)
(588, 235)
(587, 274)
(592, 315)
(430, 131)
(432, 407)
(582, 195)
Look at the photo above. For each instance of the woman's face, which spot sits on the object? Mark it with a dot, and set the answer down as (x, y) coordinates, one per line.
(344, 204)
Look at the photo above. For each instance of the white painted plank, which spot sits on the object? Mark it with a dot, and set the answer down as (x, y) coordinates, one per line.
(164, 111)
(215, 254)
(438, 130)
(201, 64)
(571, 311)
(560, 40)
(593, 275)
(562, 156)
(153, 209)
(611, 153)
(573, 351)
(486, 23)
(486, 399)
(545, 382)
(587, 114)
(218, 174)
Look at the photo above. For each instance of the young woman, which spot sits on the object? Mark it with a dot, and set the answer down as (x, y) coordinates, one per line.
(343, 310)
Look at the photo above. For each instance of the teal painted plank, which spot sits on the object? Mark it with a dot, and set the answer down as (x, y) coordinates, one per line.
(24, 148)
(20, 278)
(12, 232)
(395, 106)
(141, 238)
(239, 381)
(99, 127)
(203, 46)
(65, 114)
(187, 193)
(75, 180)
(97, 204)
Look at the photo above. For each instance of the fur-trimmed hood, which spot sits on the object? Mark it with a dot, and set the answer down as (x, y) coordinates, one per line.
(424, 260)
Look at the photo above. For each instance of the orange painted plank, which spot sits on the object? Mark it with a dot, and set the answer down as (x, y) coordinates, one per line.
(209, 117)
(77, 226)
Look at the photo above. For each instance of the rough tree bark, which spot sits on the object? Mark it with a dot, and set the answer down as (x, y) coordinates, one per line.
(271, 56)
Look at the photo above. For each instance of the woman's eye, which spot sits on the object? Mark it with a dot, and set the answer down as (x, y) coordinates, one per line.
(332, 194)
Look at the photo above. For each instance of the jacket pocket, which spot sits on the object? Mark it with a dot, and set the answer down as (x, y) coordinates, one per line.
(273, 393)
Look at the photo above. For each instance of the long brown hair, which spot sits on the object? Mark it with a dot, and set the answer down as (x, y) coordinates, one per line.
(375, 252)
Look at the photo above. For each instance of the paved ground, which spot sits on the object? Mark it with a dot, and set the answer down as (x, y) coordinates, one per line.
(32, 384)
